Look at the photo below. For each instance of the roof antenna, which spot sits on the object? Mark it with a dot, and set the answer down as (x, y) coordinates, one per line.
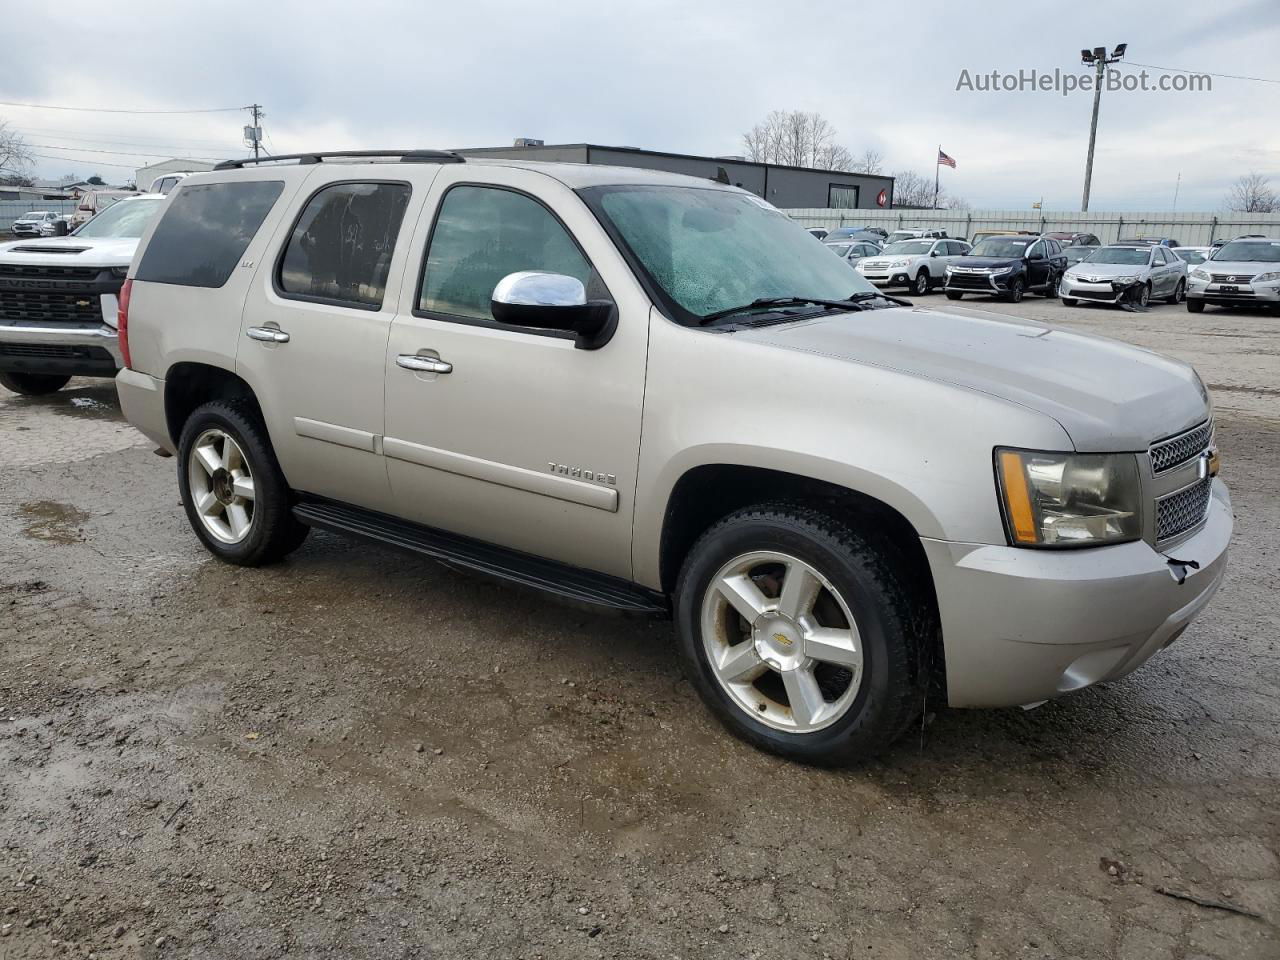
(722, 176)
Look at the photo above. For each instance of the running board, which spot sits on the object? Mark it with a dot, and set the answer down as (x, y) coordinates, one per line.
(561, 579)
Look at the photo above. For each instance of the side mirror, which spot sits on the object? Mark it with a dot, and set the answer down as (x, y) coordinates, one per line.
(1035, 256)
(553, 301)
(933, 253)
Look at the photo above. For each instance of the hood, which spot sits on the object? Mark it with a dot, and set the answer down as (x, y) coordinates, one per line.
(70, 251)
(1108, 396)
(1109, 269)
(986, 262)
(1237, 268)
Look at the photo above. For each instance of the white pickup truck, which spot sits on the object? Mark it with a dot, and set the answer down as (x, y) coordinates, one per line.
(58, 299)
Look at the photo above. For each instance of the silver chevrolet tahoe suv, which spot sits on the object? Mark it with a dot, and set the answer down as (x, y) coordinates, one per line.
(656, 393)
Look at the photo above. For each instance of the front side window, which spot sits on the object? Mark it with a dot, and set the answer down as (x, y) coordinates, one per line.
(481, 235)
(709, 250)
(204, 231)
(341, 247)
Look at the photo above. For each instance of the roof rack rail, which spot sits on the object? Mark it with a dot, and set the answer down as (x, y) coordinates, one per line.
(319, 156)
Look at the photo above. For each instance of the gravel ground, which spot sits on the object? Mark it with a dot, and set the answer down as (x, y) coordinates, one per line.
(362, 755)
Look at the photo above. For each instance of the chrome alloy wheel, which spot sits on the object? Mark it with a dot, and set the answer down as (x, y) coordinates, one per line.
(221, 486)
(781, 642)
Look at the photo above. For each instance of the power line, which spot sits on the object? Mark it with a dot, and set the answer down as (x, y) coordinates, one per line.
(86, 163)
(1205, 73)
(171, 143)
(50, 106)
(118, 153)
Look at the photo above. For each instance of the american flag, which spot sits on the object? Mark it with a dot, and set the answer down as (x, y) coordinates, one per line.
(943, 158)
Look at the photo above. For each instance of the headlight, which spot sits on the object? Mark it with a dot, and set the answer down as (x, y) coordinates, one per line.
(120, 272)
(1200, 274)
(1124, 279)
(1000, 271)
(898, 263)
(1266, 278)
(1069, 499)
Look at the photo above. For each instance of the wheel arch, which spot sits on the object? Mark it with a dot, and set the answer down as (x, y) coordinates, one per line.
(190, 384)
(707, 493)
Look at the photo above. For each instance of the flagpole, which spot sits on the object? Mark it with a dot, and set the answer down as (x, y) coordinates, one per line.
(937, 170)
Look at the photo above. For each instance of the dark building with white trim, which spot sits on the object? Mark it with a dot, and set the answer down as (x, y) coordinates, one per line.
(784, 187)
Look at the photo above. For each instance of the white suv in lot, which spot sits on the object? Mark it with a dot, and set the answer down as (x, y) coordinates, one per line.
(1240, 273)
(658, 394)
(919, 264)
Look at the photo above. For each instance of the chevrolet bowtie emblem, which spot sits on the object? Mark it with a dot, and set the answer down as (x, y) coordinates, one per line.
(782, 638)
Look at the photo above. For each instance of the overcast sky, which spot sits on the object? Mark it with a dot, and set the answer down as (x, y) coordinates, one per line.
(681, 76)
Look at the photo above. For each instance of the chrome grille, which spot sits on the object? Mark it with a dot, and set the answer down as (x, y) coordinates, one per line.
(1169, 453)
(1231, 277)
(1178, 512)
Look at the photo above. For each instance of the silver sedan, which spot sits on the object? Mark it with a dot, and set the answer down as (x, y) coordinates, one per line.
(1104, 275)
(853, 251)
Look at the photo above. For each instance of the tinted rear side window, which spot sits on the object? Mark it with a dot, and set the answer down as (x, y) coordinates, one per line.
(207, 227)
(340, 250)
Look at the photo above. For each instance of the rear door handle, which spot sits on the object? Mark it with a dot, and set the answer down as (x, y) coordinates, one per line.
(267, 334)
(412, 361)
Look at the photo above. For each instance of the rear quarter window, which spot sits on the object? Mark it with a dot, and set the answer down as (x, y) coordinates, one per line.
(204, 231)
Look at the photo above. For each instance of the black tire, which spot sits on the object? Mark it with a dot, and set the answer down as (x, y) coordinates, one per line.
(1069, 301)
(922, 284)
(1195, 306)
(1179, 292)
(1016, 290)
(33, 384)
(276, 532)
(1051, 288)
(1144, 297)
(896, 625)
(954, 295)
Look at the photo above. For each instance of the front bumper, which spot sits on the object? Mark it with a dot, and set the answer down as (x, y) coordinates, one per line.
(1243, 294)
(887, 278)
(57, 348)
(1093, 292)
(1020, 626)
(980, 283)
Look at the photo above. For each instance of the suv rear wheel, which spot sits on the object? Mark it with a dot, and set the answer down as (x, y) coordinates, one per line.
(798, 633)
(33, 384)
(235, 496)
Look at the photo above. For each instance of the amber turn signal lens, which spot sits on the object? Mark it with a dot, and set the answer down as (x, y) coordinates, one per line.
(1017, 497)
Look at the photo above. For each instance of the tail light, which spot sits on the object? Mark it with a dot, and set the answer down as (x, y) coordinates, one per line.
(122, 322)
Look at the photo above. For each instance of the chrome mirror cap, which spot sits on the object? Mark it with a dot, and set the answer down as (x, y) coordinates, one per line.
(537, 288)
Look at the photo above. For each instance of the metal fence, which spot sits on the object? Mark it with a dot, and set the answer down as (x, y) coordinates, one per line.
(1189, 229)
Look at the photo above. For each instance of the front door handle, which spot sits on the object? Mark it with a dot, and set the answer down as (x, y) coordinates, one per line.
(412, 361)
(267, 334)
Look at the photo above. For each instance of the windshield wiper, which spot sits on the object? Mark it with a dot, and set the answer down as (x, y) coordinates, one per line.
(851, 304)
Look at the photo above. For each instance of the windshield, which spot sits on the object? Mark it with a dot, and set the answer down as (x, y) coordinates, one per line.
(901, 235)
(126, 219)
(839, 249)
(1261, 251)
(709, 250)
(908, 248)
(1000, 247)
(1191, 256)
(34, 215)
(1076, 254)
(1125, 255)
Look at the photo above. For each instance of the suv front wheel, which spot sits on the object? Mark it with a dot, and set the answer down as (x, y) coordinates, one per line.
(799, 633)
(235, 496)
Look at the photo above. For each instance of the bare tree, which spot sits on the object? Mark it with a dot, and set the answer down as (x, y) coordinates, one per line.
(795, 138)
(911, 189)
(1252, 193)
(15, 158)
(871, 161)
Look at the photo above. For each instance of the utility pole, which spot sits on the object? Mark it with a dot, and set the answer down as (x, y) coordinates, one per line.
(1098, 57)
(253, 134)
(1176, 187)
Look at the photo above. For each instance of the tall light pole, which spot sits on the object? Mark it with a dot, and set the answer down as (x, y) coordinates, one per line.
(1098, 57)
